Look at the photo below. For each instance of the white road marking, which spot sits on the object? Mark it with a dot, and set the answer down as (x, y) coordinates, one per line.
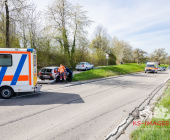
(166, 80)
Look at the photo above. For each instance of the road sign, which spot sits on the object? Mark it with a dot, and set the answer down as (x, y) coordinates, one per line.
(107, 56)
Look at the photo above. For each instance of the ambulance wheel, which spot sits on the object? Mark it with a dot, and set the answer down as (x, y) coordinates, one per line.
(6, 92)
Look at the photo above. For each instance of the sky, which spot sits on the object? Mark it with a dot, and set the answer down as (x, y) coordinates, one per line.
(145, 24)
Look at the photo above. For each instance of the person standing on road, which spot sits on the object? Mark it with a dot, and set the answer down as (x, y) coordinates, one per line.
(61, 70)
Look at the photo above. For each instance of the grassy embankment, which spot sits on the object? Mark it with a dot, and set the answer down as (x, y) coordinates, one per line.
(156, 132)
(109, 71)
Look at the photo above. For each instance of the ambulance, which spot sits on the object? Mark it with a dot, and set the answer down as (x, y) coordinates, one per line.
(18, 71)
(151, 67)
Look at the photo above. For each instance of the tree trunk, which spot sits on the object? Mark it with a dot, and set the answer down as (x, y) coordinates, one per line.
(138, 60)
(7, 24)
(73, 50)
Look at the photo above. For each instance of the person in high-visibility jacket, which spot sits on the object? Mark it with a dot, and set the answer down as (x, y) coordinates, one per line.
(61, 70)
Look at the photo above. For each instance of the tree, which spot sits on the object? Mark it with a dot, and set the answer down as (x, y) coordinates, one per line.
(69, 23)
(100, 44)
(158, 55)
(10, 10)
(139, 54)
(122, 50)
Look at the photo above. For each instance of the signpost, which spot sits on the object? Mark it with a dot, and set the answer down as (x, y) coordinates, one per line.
(107, 57)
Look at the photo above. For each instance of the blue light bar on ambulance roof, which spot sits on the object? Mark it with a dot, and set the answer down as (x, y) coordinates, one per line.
(30, 50)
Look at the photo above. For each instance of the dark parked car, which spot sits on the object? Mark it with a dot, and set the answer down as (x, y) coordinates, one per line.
(51, 73)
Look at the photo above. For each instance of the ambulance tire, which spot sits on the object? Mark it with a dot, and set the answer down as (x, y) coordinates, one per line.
(6, 92)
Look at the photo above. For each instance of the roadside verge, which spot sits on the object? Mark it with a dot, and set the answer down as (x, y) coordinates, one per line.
(133, 120)
(159, 126)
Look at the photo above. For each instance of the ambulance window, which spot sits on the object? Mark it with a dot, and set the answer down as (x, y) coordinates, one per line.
(5, 60)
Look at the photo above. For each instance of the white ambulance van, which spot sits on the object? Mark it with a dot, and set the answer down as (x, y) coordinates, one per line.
(18, 71)
(151, 67)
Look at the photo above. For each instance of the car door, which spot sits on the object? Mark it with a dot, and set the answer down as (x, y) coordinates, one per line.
(56, 72)
(88, 65)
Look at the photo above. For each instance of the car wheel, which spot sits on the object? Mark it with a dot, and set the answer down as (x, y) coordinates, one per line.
(92, 67)
(6, 92)
(77, 69)
(145, 71)
(86, 69)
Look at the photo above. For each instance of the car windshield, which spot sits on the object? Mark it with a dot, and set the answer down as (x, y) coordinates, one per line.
(150, 66)
(46, 70)
(81, 63)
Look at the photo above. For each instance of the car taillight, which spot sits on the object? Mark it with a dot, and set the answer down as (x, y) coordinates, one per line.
(39, 73)
(83, 65)
(50, 74)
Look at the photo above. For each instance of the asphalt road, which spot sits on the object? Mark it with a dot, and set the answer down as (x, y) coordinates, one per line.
(82, 112)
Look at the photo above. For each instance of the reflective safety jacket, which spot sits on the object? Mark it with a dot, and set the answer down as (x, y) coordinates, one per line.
(61, 69)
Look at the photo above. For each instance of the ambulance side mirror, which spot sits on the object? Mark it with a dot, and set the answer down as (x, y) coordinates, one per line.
(55, 71)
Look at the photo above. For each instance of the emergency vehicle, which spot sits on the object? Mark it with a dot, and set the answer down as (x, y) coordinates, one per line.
(151, 67)
(18, 71)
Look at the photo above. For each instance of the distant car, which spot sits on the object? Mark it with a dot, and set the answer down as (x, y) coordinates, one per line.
(159, 69)
(163, 68)
(84, 66)
(168, 68)
(51, 73)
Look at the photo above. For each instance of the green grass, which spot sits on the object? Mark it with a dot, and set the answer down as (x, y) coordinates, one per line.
(164, 65)
(109, 71)
(155, 132)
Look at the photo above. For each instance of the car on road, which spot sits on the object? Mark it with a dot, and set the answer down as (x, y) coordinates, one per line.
(163, 68)
(51, 73)
(84, 66)
(168, 68)
(159, 68)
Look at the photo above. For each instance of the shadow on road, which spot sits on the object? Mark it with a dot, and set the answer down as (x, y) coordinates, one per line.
(44, 98)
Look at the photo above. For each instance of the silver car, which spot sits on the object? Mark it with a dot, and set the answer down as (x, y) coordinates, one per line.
(49, 73)
(84, 66)
(159, 69)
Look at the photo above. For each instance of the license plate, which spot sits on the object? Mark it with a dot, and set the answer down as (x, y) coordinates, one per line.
(46, 76)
